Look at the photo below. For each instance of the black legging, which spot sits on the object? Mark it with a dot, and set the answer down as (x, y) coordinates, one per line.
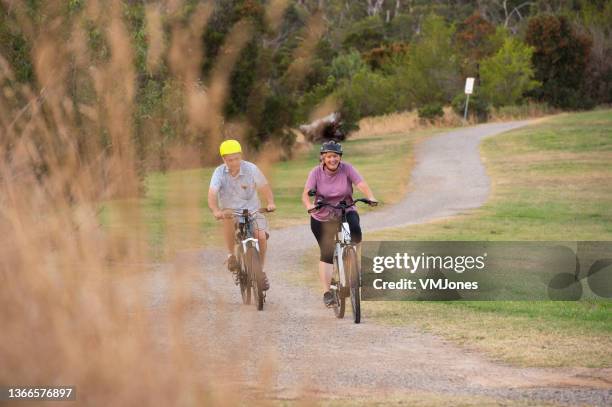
(325, 231)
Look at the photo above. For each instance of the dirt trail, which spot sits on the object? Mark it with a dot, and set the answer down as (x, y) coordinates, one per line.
(300, 350)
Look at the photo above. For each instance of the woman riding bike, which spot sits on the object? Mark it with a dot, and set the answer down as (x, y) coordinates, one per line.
(333, 182)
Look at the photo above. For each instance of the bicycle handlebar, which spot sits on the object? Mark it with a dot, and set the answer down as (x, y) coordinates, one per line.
(229, 213)
(342, 204)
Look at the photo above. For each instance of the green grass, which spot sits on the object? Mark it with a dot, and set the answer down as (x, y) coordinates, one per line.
(551, 181)
(524, 333)
(173, 213)
(171, 216)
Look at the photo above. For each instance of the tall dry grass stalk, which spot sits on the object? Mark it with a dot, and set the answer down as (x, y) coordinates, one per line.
(403, 122)
(73, 306)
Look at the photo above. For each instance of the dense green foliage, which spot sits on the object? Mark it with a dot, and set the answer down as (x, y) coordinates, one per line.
(361, 58)
(561, 57)
(508, 74)
(431, 112)
(478, 107)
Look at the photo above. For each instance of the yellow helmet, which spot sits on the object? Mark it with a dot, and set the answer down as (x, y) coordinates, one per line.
(229, 147)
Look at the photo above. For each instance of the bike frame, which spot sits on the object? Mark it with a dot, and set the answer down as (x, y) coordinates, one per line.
(343, 239)
(244, 225)
(344, 288)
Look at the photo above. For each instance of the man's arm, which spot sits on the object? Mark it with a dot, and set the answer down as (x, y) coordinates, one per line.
(212, 203)
(266, 191)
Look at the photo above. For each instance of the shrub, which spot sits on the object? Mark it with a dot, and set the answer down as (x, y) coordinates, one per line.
(560, 60)
(523, 111)
(370, 93)
(431, 112)
(478, 108)
(508, 74)
(431, 67)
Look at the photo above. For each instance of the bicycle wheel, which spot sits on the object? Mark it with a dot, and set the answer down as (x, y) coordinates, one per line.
(339, 297)
(245, 285)
(352, 271)
(254, 272)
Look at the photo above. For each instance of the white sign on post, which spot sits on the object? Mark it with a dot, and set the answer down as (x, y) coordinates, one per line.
(469, 86)
(469, 89)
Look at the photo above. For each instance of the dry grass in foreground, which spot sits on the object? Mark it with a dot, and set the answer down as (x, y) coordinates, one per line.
(73, 307)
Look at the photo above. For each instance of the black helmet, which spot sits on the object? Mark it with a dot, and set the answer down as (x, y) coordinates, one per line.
(331, 147)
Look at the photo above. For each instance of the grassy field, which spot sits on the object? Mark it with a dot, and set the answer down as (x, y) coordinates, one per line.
(551, 181)
(173, 213)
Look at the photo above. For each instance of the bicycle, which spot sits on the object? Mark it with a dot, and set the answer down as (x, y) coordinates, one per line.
(250, 273)
(346, 275)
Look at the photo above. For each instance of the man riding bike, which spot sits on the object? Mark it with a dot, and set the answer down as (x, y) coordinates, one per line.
(333, 181)
(234, 185)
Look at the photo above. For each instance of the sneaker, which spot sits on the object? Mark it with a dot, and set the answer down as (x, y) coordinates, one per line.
(232, 263)
(265, 282)
(328, 299)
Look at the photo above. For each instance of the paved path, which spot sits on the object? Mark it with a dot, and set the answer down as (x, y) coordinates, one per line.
(298, 349)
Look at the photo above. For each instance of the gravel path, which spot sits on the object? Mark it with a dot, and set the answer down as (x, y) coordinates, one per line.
(299, 350)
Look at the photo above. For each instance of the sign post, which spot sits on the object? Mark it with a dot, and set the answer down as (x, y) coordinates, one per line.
(469, 89)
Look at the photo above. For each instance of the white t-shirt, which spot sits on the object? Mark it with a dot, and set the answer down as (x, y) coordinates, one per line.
(239, 192)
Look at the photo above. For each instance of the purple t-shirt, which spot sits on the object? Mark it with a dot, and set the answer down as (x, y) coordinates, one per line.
(333, 188)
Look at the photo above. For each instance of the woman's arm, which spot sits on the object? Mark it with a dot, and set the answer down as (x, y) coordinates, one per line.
(306, 199)
(365, 189)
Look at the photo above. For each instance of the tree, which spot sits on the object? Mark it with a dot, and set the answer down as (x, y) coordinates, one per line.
(473, 40)
(595, 19)
(365, 34)
(507, 13)
(560, 59)
(430, 72)
(507, 75)
(370, 92)
(346, 65)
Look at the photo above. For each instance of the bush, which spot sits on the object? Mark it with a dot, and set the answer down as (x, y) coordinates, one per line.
(560, 60)
(431, 66)
(478, 108)
(345, 66)
(370, 93)
(508, 74)
(431, 112)
(365, 34)
(523, 111)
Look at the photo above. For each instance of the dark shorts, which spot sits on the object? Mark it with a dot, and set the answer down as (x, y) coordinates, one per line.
(324, 232)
